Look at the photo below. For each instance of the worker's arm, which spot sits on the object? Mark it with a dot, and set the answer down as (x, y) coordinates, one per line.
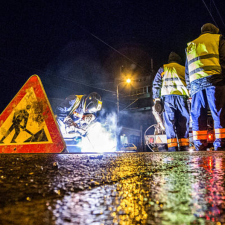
(187, 78)
(157, 84)
(67, 104)
(222, 54)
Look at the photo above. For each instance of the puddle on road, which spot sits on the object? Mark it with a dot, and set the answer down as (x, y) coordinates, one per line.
(192, 193)
(182, 189)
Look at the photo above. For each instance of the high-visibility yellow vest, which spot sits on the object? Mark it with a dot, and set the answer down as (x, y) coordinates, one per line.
(173, 80)
(203, 56)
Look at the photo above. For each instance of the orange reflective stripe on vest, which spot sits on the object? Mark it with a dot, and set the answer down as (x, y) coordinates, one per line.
(200, 135)
(220, 133)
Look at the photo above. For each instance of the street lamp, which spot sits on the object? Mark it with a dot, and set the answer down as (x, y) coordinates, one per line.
(118, 106)
(117, 91)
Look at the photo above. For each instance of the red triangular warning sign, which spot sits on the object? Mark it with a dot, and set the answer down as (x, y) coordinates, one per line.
(28, 125)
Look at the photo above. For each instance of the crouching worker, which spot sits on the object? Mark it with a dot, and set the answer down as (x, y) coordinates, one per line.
(169, 89)
(77, 112)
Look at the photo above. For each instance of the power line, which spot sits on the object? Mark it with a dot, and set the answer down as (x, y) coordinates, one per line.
(209, 13)
(130, 104)
(99, 39)
(108, 45)
(218, 13)
(68, 79)
(85, 84)
(58, 86)
(105, 99)
(61, 77)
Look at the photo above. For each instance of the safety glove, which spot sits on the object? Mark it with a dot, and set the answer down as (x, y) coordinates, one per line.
(189, 97)
(88, 118)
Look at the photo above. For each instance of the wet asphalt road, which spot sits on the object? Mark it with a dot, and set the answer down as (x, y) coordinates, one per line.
(125, 188)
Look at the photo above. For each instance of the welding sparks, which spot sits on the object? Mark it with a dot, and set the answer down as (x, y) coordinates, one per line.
(100, 136)
(99, 139)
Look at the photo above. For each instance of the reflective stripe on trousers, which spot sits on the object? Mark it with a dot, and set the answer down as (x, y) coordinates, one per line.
(200, 135)
(212, 96)
(184, 142)
(220, 133)
(172, 142)
(176, 117)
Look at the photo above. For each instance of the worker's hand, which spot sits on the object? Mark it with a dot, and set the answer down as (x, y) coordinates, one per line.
(81, 132)
(70, 129)
(88, 118)
(190, 99)
(156, 100)
(189, 92)
(68, 121)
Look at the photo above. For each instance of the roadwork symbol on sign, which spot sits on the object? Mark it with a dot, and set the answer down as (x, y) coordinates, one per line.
(28, 125)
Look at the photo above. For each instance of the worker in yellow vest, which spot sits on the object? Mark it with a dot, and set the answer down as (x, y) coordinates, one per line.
(169, 88)
(205, 78)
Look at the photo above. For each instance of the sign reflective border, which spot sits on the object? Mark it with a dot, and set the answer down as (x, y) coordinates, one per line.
(28, 125)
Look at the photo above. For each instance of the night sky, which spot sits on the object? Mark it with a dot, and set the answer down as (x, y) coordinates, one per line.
(79, 46)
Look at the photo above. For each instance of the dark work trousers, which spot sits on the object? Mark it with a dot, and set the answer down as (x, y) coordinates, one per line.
(176, 117)
(214, 97)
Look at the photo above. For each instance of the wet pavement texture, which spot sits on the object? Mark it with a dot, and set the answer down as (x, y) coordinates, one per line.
(125, 188)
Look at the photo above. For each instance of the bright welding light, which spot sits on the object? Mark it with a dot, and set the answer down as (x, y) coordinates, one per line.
(99, 140)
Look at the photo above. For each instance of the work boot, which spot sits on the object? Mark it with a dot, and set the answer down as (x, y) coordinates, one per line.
(219, 145)
(163, 148)
(219, 148)
(201, 145)
(173, 149)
